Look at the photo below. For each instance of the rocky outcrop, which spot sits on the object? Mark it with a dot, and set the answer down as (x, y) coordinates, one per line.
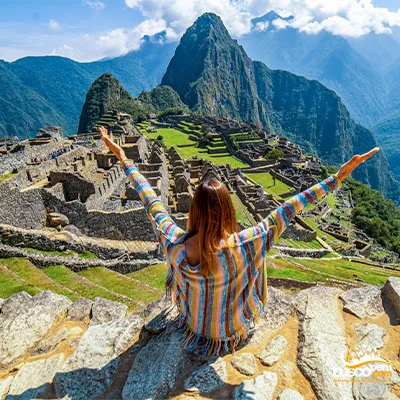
(56, 219)
(137, 358)
(27, 322)
(260, 388)
(362, 301)
(54, 132)
(391, 293)
(322, 341)
(104, 310)
(160, 364)
(91, 368)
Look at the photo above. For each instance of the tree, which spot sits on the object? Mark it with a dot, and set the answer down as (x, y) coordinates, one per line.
(274, 154)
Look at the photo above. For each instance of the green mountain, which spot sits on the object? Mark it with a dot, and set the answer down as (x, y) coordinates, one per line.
(160, 98)
(105, 94)
(212, 73)
(41, 91)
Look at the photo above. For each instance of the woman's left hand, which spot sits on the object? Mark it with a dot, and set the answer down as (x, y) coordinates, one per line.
(109, 141)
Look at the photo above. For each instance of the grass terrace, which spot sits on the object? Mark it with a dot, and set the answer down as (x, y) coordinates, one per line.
(266, 180)
(6, 176)
(187, 148)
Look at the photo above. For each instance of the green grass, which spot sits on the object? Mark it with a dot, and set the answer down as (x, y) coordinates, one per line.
(84, 288)
(121, 284)
(176, 138)
(242, 214)
(346, 269)
(87, 255)
(34, 276)
(6, 176)
(10, 285)
(298, 244)
(53, 252)
(266, 180)
(153, 275)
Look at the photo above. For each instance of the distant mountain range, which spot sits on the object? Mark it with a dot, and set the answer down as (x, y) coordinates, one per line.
(212, 74)
(41, 91)
(364, 72)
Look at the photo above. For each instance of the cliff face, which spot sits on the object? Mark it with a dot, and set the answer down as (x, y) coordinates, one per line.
(212, 74)
(104, 92)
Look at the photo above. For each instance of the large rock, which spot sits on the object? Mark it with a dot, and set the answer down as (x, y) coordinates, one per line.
(274, 351)
(370, 337)
(23, 330)
(104, 310)
(1, 302)
(91, 368)
(391, 293)
(322, 342)
(80, 310)
(245, 363)
(208, 377)
(15, 304)
(160, 314)
(363, 301)
(290, 394)
(279, 308)
(50, 344)
(56, 219)
(5, 386)
(157, 367)
(34, 378)
(54, 132)
(260, 388)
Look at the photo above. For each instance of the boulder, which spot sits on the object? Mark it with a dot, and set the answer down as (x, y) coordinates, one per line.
(274, 351)
(50, 344)
(368, 390)
(34, 378)
(5, 386)
(160, 314)
(245, 363)
(322, 341)
(260, 388)
(208, 377)
(391, 293)
(290, 394)
(104, 310)
(157, 367)
(370, 337)
(23, 330)
(72, 229)
(1, 302)
(80, 310)
(363, 301)
(54, 132)
(114, 395)
(279, 308)
(57, 219)
(91, 368)
(15, 304)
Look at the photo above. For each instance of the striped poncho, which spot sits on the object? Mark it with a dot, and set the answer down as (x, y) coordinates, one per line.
(216, 313)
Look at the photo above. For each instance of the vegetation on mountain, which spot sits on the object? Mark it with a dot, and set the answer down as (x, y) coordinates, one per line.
(41, 91)
(212, 74)
(104, 95)
(274, 154)
(160, 99)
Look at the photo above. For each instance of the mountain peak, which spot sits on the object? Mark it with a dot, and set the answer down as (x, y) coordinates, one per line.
(269, 17)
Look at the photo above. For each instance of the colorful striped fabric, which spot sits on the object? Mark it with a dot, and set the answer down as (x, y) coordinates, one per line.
(218, 312)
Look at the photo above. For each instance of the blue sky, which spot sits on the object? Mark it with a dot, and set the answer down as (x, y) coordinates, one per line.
(87, 30)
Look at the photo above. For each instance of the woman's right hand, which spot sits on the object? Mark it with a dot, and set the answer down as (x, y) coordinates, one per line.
(346, 169)
(109, 141)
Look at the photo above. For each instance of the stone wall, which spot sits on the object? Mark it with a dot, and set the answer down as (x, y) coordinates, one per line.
(297, 233)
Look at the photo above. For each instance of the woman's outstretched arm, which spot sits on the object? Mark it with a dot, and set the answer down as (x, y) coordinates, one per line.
(165, 228)
(272, 227)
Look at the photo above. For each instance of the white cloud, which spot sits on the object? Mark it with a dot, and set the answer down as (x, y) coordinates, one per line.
(54, 25)
(261, 26)
(95, 4)
(341, 17)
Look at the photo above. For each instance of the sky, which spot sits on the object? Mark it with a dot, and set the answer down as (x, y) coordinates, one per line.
(87, 30)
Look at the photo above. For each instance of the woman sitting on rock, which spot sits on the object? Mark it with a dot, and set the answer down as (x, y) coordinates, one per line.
(217, 274)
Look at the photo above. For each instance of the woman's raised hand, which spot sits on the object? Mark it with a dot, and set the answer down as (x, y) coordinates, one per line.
(346, 169)
(109, 141)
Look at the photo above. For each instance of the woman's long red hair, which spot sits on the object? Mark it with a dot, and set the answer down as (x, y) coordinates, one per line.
(213, 217)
